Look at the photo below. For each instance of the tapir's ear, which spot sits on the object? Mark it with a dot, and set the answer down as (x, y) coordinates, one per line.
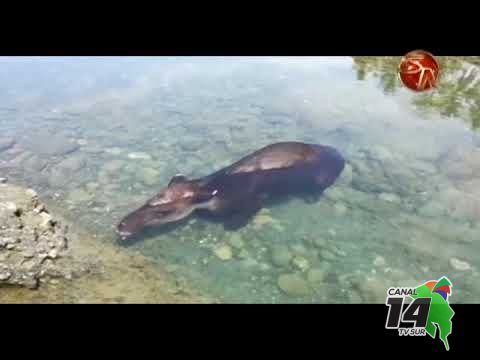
(177, 179)
(204, 196)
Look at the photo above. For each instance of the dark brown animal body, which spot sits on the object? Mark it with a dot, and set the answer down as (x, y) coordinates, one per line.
(239, 190)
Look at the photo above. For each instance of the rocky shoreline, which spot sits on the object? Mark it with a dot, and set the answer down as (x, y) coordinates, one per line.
(34, 245)
(45, 259)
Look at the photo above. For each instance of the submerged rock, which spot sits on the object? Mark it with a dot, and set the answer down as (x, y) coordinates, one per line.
(320, 242)
(459, 204)
(139, 156)
(51, 144)
(293, 285)
(150, 176)
(191, 143)
(223, 252)
(327, 255)
(461, 162)
(263, 218)
(379, 261)
(235, 240)
(432, 208)
(6, 143)
(114, 151)
(346, 176)
(334, 194)
(459, 265)
(34, 163)
(79, 196)
(62, 173)
(389, 197)
(340, 209)
(381, 153)
(316, 276)
(72, 164)
(280, 255)
(301, 263)
(113, 166)
(372, 290)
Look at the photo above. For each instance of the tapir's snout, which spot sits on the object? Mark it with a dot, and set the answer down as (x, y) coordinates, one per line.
(134, 223)
(174, 203)
(124, 235)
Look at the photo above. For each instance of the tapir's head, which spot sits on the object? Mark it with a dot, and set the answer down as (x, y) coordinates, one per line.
(178, 200)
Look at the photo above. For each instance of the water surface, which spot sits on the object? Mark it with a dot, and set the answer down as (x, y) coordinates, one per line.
(99, 136)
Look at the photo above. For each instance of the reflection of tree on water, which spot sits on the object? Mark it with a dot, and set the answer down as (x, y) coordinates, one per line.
(384, 67)
(458, 89)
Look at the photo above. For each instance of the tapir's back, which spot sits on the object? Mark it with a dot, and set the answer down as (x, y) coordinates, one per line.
(276, 156)
(284, 165)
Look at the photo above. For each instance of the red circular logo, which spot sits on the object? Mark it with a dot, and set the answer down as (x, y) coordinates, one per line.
(419, 70)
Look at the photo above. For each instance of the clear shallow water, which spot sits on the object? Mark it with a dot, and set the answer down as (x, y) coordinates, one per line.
(98, 136)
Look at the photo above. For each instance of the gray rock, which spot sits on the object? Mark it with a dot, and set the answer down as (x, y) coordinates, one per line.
(32, 193)
(9, 206)
(29, 253)
(293, 285)
(5, 275)
(37, 238)
(46, 222)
